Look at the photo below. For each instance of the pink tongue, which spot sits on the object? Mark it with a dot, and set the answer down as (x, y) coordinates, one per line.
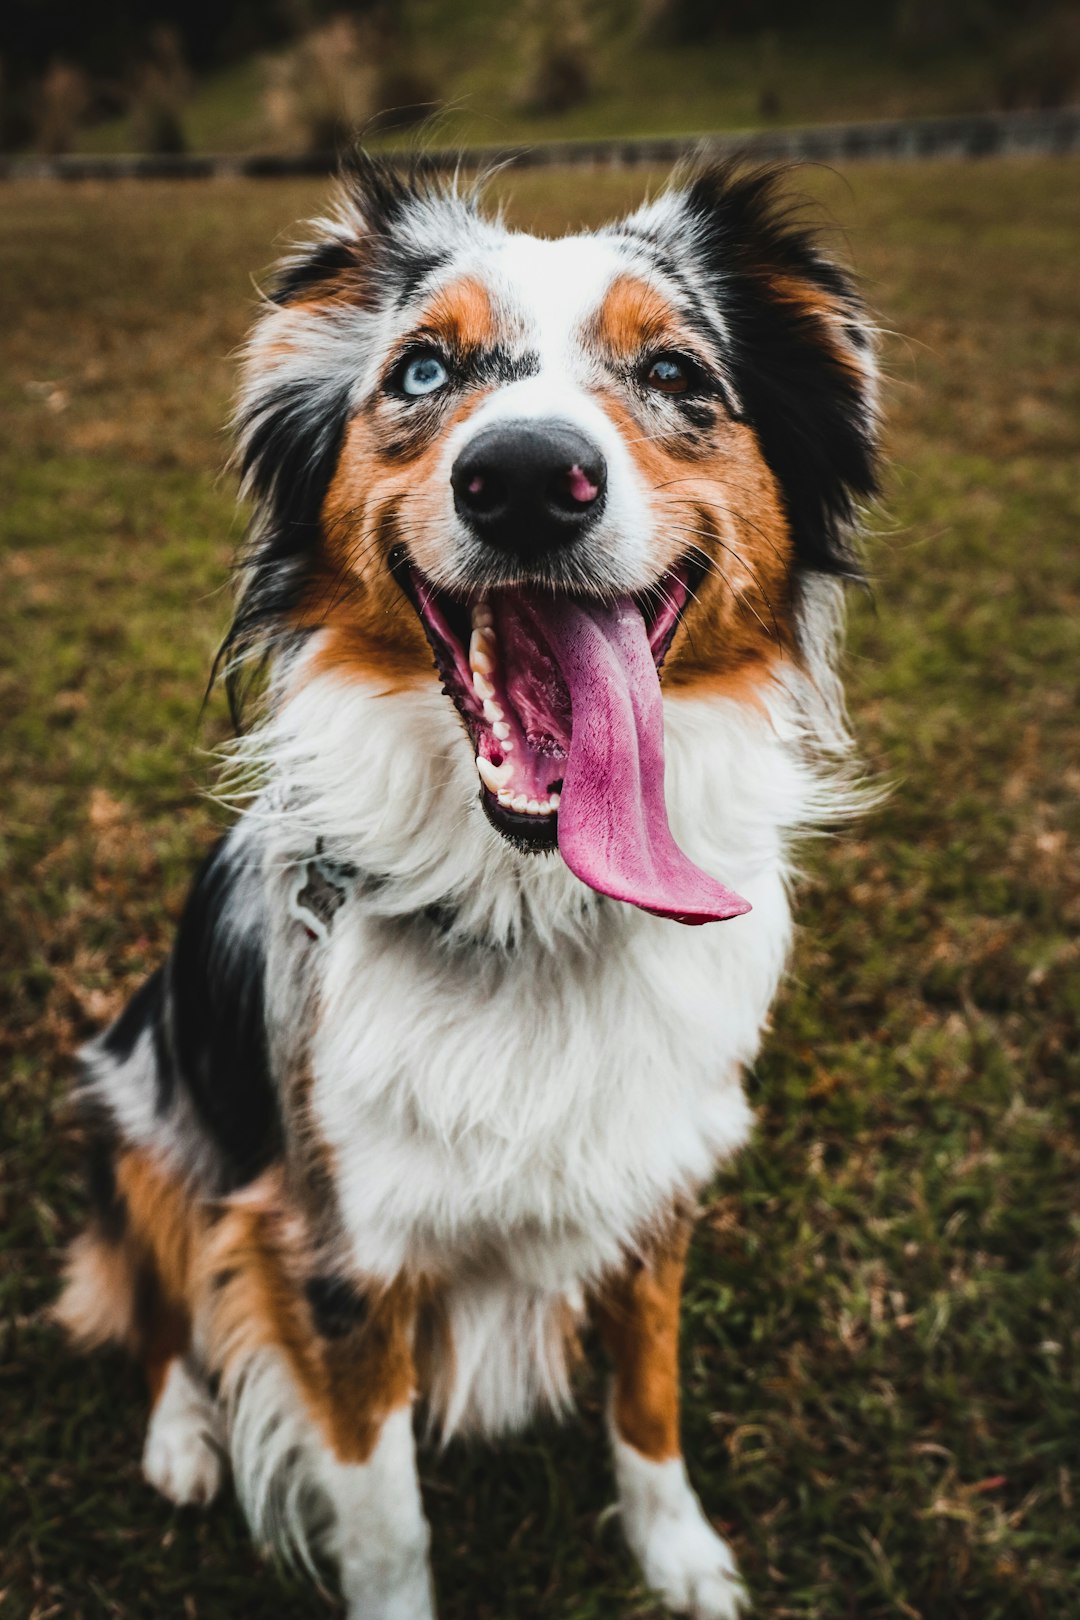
(613, 826)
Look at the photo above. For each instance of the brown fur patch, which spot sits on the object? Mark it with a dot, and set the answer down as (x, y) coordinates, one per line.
(830, 315)
(460, 317)
(370, 628)
(634, 317)
(637, 1313)
(714, 499)
(96, 1305)
(137, 1291)
(254, 1270)
(386, 485)
(722, 508)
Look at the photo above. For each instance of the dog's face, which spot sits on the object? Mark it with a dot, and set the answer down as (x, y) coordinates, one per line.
(558, 466)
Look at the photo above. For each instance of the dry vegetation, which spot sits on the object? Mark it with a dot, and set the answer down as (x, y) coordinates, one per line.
(882, 1350)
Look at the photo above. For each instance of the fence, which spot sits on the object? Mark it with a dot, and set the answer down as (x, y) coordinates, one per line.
(1011, 134)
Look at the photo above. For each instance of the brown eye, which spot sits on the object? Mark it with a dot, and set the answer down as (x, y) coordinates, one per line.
(668, 374)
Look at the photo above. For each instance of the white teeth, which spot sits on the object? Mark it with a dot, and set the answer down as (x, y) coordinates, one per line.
(492, 711)
(494, 777)
(481, 616)
(497, 778)
(507, 745)
(501, 730)
(482, 652)
(482, 686)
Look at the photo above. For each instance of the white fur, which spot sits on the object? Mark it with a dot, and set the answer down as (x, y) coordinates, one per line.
(519, 1150)
(306, 1504)
(507, 1356)
(380, 1539)
(184, 1450)
(277, 1458)
(681, 1556)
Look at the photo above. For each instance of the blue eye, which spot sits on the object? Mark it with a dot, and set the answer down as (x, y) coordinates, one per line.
(424, 374)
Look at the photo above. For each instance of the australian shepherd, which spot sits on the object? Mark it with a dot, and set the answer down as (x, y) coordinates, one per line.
(543, 592)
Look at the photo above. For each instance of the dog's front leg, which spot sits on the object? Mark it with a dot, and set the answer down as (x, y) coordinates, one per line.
(318, 1378)
(380, 1532)
(681, 1556)
(361, 1387)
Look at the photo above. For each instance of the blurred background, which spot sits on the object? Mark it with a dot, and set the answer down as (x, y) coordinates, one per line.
(173, 75)
(881, 1358)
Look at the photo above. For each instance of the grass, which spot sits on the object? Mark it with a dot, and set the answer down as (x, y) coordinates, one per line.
(473, 54)
(882, 1333)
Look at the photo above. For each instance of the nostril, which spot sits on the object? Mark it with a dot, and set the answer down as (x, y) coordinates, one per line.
(576, 488)
(481, 491)
(581, 486)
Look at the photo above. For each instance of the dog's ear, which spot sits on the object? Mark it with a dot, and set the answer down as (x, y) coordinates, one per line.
(797, 339)
(388, 231)
(309, 358)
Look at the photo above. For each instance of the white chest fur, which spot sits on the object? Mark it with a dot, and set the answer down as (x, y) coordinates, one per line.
(544, 1103)
(511, 1104)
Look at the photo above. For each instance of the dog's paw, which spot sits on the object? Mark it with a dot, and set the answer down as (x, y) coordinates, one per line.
(682, 1558)
(183, 1454)
(691, 1568)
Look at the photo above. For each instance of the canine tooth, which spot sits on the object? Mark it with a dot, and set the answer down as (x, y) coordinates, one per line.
(493, 777)
(501, 730)
(519, 802)
(482, 651)
(482, 686)
(492, 711)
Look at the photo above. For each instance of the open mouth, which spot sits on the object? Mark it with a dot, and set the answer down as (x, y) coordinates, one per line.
(561, 699)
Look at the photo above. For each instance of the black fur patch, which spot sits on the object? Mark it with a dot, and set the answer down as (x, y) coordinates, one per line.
(496, 366)
(290, 450)
(336, 1307)
(414, 271)
(217, 1021)
(808, 408)
(106, 1200)
(146, 1302)
(142, 1012)
(206, 1011)
(324, 262)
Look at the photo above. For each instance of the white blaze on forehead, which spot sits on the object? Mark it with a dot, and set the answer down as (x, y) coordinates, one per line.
(548, 293)
(556, 288)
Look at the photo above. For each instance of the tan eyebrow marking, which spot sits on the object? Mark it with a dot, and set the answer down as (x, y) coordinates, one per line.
(634, 316)
(462, 315)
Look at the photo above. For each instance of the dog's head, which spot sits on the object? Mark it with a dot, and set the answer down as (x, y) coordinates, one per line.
(555, 468)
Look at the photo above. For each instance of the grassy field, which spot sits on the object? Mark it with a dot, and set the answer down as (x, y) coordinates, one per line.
(882, 1336)
(474, 54)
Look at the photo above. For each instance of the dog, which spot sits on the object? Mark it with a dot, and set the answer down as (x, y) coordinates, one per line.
(539, 613)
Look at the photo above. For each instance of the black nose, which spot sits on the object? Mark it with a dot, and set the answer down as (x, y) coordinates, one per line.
(529, 487)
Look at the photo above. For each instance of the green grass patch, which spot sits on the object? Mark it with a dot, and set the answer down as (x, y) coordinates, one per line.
(882, 1332)
(474, 57)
